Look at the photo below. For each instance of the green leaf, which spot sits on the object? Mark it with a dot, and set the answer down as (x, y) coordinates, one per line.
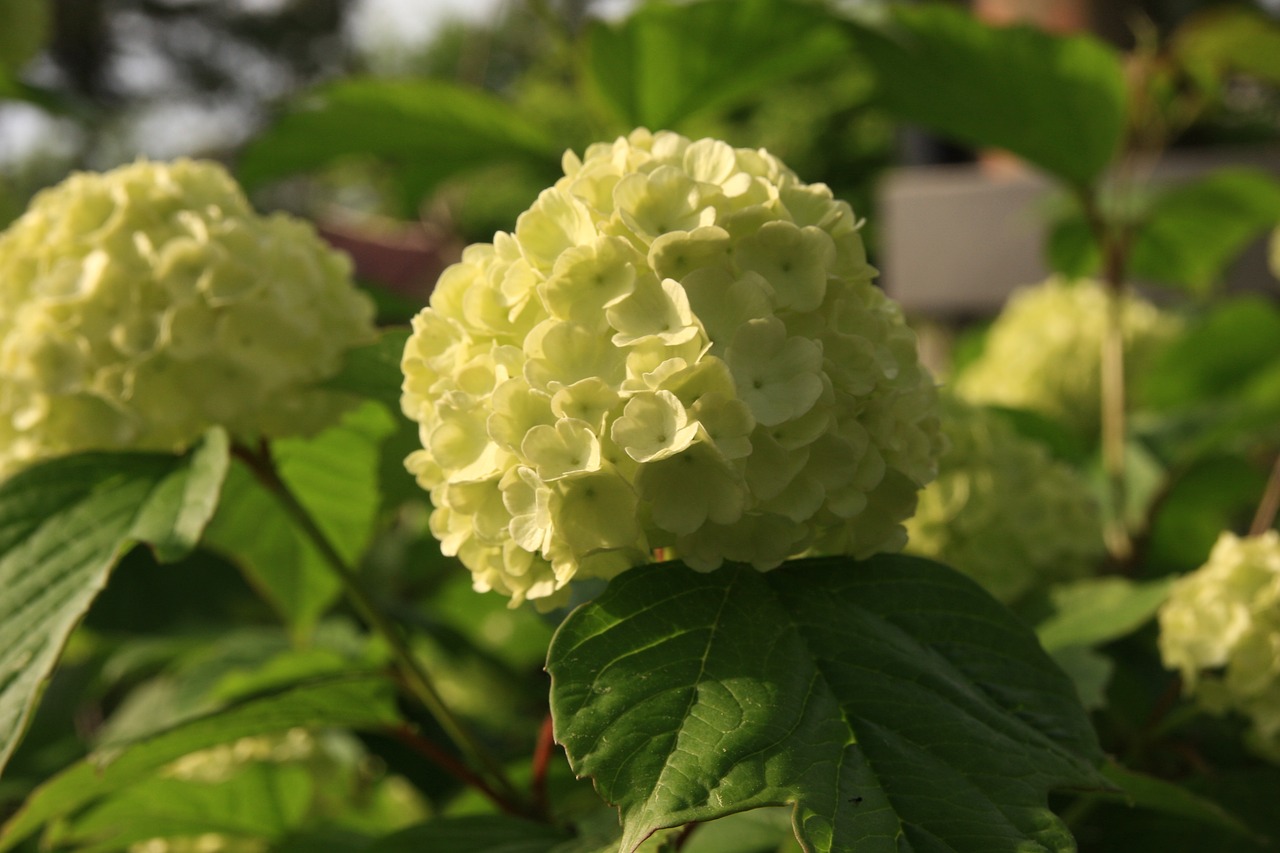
(668, 62)
(1194, 232)
(1089, 670)
(428, 130)
(258, 801)
(473, 834)
(1098, 610)
(373, 371)
(1056, 101)
(175, 515)
(891, 701)
(335, 476)
(1150, 792)
(364, 702)
(64, 524)
(1229, 39)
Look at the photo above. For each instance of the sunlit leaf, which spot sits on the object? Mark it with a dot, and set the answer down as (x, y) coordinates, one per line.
(667, 62)
(335, 476)
(1194, 232)
(362, 702)
(1056, 101)
(1097, 610)
(1229, 39)
(428, 130)
(64, 524)
(890, 701)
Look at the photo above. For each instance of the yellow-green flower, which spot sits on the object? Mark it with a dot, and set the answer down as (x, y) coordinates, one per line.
(679, 347)
(1003, 510)
(1220, 628)
(1044, 351)
(140, 306)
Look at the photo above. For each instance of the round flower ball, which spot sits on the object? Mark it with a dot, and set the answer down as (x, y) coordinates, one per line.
(1003, 510)
(141, 306)
(679, 347)
(1220, 628)
(1044, 351)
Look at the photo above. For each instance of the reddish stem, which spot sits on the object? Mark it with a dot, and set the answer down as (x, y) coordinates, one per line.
(541, 765)
(455, 768)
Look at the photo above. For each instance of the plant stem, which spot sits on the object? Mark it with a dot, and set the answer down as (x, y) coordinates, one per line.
(433, 753)
(1270, 504)
(542, 764)
(1113, 243)
(413, 675)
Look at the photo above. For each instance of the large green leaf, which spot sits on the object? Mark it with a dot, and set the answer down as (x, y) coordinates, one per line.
(359, 702)
(667, 62)
(428, 130)
(891, 701)
(473, 834)
(1056, 101)
(63, 526)
(335, 476)
(1194, 232)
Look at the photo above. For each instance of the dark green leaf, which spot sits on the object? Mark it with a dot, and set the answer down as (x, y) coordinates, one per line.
(1056, 101)
(473, 834)
(891, 701)
(667, 62)
(1194, 232)
(1159, 795)
(1214, 494)
(429, 130)
(365, 702)
(335, 476)
(63, 526)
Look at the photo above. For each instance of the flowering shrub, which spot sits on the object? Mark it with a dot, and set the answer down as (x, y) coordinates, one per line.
(140, 306)
(1220, 628)
(1044, 351)
(1003, 510)
(678, 347)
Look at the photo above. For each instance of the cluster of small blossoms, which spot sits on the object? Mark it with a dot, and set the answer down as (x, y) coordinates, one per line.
(140, 306)
(1220, 628)
(1044, 351)
(1003, 510)
(679, 347)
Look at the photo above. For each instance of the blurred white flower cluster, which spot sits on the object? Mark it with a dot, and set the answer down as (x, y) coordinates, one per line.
(1220, 628)
(140, 306)
(1044, 351)
(1003, 510)
(678, 347)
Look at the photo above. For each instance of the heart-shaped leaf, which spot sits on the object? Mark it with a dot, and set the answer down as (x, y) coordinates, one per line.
(892, 702)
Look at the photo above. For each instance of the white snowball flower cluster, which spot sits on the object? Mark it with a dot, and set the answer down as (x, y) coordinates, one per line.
(140, 306)
(1003, 510)
(1220, 628)
(679, 347)
(1044, 351)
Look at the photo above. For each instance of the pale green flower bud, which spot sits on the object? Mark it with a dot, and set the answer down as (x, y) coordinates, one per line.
(141, 306)
(1044, 351)
(1220, 628)
(679, 347)
(1002, 510)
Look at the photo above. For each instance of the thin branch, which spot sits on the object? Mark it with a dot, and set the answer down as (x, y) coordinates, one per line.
(438, 756)
(415, 677)
(1265, 517)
